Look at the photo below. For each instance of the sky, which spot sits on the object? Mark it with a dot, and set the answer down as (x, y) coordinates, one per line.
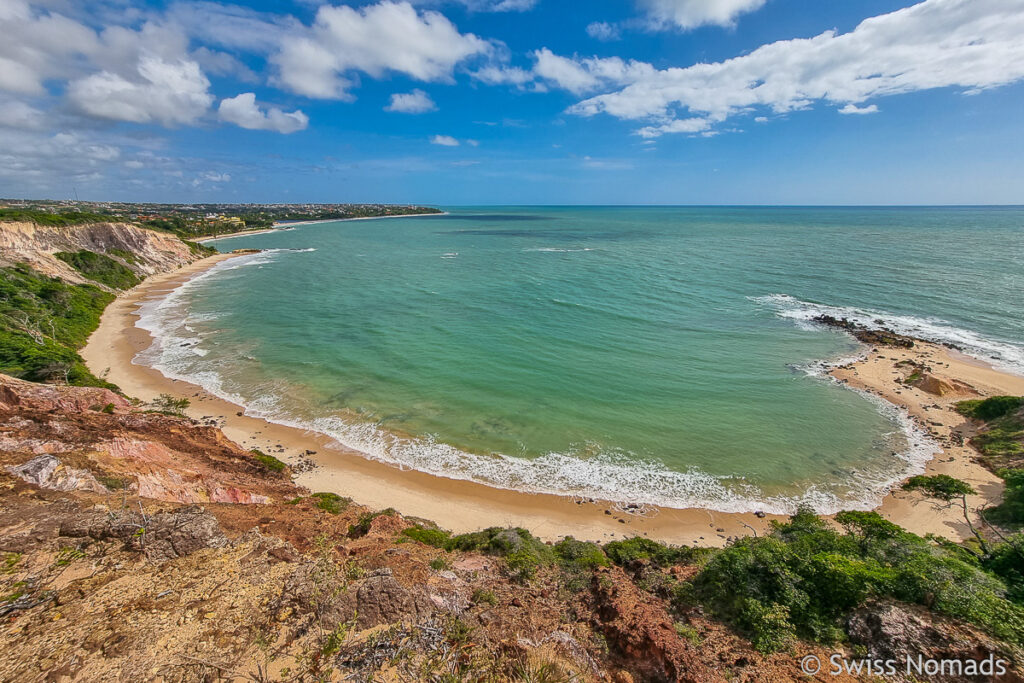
(461, 102)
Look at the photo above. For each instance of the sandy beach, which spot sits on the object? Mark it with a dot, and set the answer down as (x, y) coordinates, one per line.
(464, 506)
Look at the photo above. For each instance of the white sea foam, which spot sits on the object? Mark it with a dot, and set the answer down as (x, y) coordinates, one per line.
(1006, 356)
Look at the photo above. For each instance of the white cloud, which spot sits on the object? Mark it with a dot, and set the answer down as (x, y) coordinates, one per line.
(22, 116)
(243, 111)
(854, 109)
(602, 30)
(487, 5)
(415, 102)
(444, 141)
(37, 46)
(215, 177)
(692, 125)
(503, 75)
(164, 92)
(582, 75)
(386, 37)
(688, 14)
(973, 45)
(232, 26)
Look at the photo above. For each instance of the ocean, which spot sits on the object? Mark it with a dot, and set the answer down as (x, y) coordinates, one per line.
(659, 355)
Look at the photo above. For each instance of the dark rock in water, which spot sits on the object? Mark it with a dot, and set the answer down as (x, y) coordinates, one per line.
(879, 337)
(759, 514)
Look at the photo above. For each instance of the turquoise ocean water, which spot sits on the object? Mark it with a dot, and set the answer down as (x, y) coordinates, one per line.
(654, 355)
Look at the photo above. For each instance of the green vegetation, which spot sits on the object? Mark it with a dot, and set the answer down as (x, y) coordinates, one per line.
(990, 408)
(440, 563)
(54, 219)
(362, 527)
(42, 323)
(1011, 511)
(125, 255)
(169, 405)
(805, 577)
(524, 553)
(436, 538)
(625, 553)
(580, 554)
(331, 502)
(100, 268)
(268, 461)
(941, 486)
(482, 596)
(10, 562)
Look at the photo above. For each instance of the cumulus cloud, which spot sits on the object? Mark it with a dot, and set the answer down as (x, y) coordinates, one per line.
(164, 92)
(974, 45)
(444, 141)
(37, 46)
(689, 14)
(415, 102)
(323, 60)
(487, 5)
(582, 75)
(602, 30)
(854, 109)
(243, 111)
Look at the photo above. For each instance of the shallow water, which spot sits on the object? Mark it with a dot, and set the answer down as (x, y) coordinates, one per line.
(656, 355)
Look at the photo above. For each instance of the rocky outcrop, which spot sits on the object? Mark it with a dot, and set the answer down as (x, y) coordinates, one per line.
(46, 471)
(152, 251)
(876, 337)
(78, 438)
(895, 632)
(640, 628)
(942, 386)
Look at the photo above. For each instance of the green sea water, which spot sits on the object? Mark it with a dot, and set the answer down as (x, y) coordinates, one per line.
(650, 355)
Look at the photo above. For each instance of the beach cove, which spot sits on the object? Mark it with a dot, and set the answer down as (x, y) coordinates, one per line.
(463, 506)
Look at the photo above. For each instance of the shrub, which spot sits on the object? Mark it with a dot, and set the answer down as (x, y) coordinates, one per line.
(330, 502)
(1011, 511)
(805, 577)
(524, 553)
(482, 596)
(362, 527)
(580, 554)
(268, 461)
(42, 323)
(440, 563)
(169, 405)
(101, 268)
(941, 486)
(990, 408)
(436, 538)
(630, 550)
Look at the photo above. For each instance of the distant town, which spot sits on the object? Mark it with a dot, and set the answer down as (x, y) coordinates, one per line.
(194, 220)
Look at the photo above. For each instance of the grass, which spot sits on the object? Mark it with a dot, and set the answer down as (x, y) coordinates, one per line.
(482, 596)
(440, 563)
(100, 268)
(43, 321)
(268, 461)
(1011, 511)
(990, 408)
(436, 538)
(330, 503)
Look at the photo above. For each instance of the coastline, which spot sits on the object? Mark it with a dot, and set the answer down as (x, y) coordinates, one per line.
(466, 506)
(279, 225)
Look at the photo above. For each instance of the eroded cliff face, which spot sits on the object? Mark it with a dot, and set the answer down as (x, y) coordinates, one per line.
(154, 252)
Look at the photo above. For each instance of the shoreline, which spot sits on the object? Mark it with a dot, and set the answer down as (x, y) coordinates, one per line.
(463, 506)
(279, 226)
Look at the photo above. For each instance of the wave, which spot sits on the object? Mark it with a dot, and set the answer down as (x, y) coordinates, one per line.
(1001, 354)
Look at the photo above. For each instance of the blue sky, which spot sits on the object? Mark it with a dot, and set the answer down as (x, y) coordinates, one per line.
(514, 101)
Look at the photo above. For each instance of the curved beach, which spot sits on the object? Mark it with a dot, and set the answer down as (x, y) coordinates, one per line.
(463, 506)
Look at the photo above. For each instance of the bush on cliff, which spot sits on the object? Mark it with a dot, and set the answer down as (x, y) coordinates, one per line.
(101, 268)
(801, 580)
(990, 408)
(42, 322)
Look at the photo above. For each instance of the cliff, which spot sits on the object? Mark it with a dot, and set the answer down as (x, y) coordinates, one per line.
(142, 251)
